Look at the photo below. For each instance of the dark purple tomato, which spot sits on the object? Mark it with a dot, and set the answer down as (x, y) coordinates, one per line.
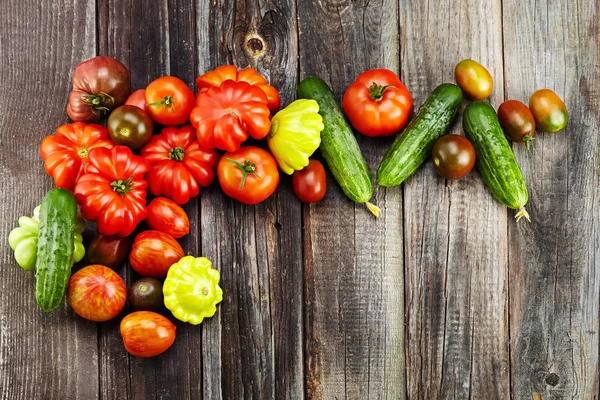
(453, 156)
(130, 126)
(517, 121)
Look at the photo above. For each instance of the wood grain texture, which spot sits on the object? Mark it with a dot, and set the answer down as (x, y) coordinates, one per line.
(455, 232)
(353, 262)
(41, 354)
(253, 347)
(555, 260)
(152, 42)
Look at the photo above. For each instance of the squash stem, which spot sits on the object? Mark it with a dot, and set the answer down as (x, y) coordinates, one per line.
(373, 208)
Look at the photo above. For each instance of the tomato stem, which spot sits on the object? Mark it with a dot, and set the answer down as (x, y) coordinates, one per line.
(98, 101)
(527, 139)
(167, 102)
(122, 187)
(176, 153)
(376, 91)
(247, 168)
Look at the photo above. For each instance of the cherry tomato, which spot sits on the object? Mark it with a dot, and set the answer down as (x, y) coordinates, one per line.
(111, 251)
(310, 183)
(169, 100)
(130, 126)
(167, 216)
(549, 111)
(517, 121)
(248, 175)
(96, 293)
(146, 295)
(146, 333)
(453, 156)
(474, 79)
(138, 99)
(153, 253)
(377, 103)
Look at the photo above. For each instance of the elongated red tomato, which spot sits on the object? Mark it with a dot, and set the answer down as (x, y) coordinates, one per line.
(377, 103)
(166, 216)
(474, 79)
(517, 121)
(310, 183)
(146, 333)
(549, 110)
(153, 253)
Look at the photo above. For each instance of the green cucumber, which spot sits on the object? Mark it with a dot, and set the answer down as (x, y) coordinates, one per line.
(58, 215)
(495, 159)
(338, 144)
(412, 147)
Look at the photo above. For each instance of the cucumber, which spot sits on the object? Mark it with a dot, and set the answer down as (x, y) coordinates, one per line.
(338, 144)
(495, 159)
(58, 215)
(412, 147)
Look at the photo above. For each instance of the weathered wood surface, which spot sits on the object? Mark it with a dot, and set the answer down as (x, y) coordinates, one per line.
(444, 296)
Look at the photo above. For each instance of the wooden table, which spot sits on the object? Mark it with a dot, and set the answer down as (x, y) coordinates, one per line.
(443, 296)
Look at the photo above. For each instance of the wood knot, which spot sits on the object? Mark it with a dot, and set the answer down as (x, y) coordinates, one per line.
(552, 379)
(255, 45)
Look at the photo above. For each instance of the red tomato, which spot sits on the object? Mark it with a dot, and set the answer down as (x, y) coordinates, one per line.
(153, 253)
(169, 101)
(166, 216)
(138, 99)
(377, 103)
(146, 333)
(474, 79)
(248, 175)
(310, 183)
(517, 121)
(111, 251)
(96, 293)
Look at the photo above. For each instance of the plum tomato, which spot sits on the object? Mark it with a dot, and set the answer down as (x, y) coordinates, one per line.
(167, 216)
(130, 126)
(549, 111)
(517, 121)
(153, 253)
(453, 156)
(146, 334)
(310, 183)
(474, 79)
(109, 250)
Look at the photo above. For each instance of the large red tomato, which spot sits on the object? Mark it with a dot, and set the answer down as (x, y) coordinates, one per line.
(169, 101)
(153, 253)
(166, 216)
(248, 175)
(377, 103)
(146, 333)
(96, 293)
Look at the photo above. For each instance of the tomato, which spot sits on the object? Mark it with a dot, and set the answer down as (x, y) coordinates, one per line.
(96, 293)
(310, 183)
(248, 175)
(517, 121)
(169, 100)
(166, 216)
(146, 333)
(453, 156)
(138, 99)
(549, 111)
(153, 253)
(65, 153)
(130, 126)
(100, 84)
(146, 294)
(377, 103)
(474, 79)
(111, 251)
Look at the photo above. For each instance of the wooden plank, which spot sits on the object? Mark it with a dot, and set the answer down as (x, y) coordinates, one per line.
(49, 356)
(456, 235)
(252, 348)
(152, 42)
(353, 262)
(555, 260)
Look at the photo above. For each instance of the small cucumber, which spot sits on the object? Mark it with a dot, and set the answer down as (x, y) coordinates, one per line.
(58, 215)
(495, 159)
(412, 147)
(338, 144)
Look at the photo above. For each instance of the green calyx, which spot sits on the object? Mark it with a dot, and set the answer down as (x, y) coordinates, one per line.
(247, 168)
(527, 139)
(166, 102)
(376, 91)
(98, 101)
(122, 187)
(176, 154)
